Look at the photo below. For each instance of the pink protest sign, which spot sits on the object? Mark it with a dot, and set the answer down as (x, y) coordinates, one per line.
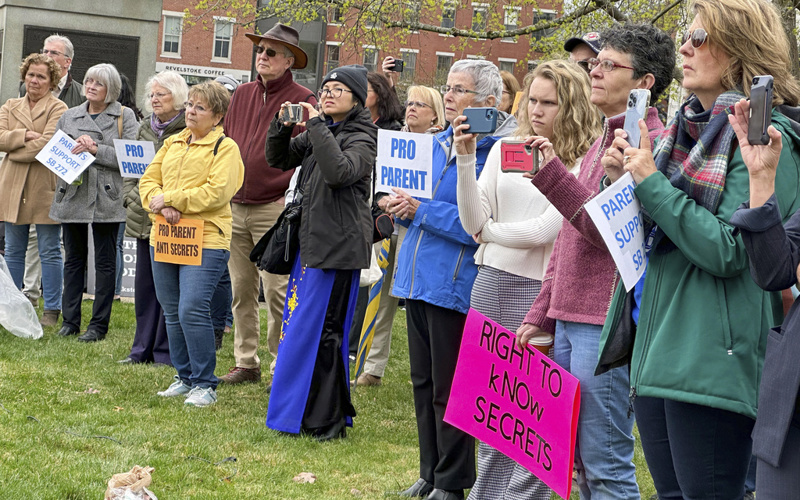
(517, 400)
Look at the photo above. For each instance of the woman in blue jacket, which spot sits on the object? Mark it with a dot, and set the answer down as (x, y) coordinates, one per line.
(435, 274)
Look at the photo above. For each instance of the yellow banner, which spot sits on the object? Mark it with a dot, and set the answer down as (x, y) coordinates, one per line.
(180, 243)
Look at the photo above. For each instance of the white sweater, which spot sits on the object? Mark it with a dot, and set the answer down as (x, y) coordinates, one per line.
(515, 220)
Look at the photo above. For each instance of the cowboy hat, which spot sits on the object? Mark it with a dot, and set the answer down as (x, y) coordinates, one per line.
(286, 36)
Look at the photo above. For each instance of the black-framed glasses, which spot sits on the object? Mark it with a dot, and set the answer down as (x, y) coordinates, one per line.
(334, 93)
(417, 104)
(459, 91)
(52, 53)
(697, 36)
(606, 65)
(270, 52)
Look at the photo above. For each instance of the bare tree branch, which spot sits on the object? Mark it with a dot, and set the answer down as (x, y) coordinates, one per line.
(665, 10)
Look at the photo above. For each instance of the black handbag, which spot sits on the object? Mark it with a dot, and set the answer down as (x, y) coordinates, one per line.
(382, 223)
(276, 250)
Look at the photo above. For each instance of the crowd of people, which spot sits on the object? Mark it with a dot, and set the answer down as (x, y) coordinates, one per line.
(697, 354)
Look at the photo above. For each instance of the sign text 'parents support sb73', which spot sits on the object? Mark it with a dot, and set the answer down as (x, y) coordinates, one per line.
(617, 214)
(517, 400)
(133, 157)
(57, 156)
(404, 162)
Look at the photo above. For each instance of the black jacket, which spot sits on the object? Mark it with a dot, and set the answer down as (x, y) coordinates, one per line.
(337, 160)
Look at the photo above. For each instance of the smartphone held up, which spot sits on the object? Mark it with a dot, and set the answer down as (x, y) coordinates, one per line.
(481, 120)
(638, 101)
(293, 113)
(518, 156)
(760, 110)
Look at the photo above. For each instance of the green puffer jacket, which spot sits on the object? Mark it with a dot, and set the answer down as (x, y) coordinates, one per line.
(137, 223)
(703, 322)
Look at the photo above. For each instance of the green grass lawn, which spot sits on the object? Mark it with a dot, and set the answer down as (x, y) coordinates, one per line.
(58, 394)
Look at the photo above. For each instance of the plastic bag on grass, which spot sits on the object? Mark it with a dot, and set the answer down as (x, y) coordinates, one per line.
(131, 485)
(17, 314)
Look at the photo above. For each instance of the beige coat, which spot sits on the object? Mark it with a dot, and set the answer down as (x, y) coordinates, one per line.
(26, 186)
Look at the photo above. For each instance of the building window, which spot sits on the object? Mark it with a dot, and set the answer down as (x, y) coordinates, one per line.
(335, 15)
(371, 58)
(507, 66)
(332, 58)
(409, 65)
(173, 26)
(223, 33)
(539, 17)
(443, 63)
(480, 14)
(510, 20)
(532, 65)
(449, 15)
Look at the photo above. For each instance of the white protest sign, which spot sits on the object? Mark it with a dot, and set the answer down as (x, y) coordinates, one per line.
(404, 161)
(133, 157)
(57, 157)
(617, 214)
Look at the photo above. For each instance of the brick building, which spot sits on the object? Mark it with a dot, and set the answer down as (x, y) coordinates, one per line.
(202, 52)
(428, 56)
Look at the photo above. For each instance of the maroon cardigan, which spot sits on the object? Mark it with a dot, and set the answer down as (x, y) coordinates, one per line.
(251, 110)
(581, 276)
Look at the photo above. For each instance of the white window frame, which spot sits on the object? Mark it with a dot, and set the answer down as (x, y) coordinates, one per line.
(219, 20)
(480, 7)
(171, 14)
(476, 57)
(377, 56)
(517, 14)
(332, 21)
(542, 11)
(452, 4)
(338, 61)
(506, 60)
(406, 75)
(451, 55)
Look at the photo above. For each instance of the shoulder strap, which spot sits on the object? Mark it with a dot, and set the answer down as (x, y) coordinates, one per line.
(119, 121)
(219, 141)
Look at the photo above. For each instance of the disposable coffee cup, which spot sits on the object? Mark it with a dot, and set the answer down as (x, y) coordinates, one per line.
(543, 343)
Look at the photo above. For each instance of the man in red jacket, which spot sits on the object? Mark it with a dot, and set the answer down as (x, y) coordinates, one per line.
(260, 201)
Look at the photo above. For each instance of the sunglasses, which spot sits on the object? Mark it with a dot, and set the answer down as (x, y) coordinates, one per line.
(270, 52)
(698, 37)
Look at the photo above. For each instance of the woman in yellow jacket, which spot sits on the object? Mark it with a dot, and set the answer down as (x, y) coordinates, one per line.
(194, 176)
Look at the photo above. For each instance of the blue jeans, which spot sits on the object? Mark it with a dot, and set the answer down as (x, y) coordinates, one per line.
(605, 432)
(49, 252)
(221, 302)
(184, 293)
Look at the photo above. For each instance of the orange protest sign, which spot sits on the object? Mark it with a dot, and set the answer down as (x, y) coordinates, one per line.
(515, 106)
(180, 243)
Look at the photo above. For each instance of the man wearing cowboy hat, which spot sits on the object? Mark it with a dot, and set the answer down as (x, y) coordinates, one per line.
(259, 202)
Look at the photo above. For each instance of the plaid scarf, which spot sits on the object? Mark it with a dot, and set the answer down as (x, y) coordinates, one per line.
(694, 152)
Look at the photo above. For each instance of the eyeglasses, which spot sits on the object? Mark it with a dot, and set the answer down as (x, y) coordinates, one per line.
(698, 37)
(334, 93)
(158, 95)
(606, 65)
(197, 107)
(583, 64)
(417, 104)
(459, 91)
(93, 82)
(270, 52)
(52, 53)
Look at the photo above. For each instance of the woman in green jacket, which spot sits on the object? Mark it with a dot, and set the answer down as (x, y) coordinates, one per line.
(701, 320)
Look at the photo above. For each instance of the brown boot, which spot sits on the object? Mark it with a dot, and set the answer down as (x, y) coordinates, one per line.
(239, 375)
(365, 379)
(50, 318)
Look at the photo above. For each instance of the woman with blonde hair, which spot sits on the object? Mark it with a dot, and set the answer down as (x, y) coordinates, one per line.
(516, 226)
(424, 110)
(701, 323)
(26, 186)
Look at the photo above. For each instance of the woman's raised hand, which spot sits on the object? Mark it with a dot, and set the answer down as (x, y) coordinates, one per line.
(464, 142)
(761, 161)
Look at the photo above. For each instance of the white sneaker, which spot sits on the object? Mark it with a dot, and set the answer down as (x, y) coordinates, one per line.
(201, 396)
(177, 388)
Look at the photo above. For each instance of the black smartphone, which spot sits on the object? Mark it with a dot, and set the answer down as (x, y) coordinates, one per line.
(398, 65)
(760, 110)
(481, 120)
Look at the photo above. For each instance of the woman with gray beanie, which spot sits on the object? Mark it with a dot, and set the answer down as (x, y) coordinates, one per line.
(310, 390)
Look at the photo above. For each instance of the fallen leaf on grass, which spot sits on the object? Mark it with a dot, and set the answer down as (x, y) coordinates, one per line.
(304, 477)
(118, 408)
(91, 391)
(355, 492)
